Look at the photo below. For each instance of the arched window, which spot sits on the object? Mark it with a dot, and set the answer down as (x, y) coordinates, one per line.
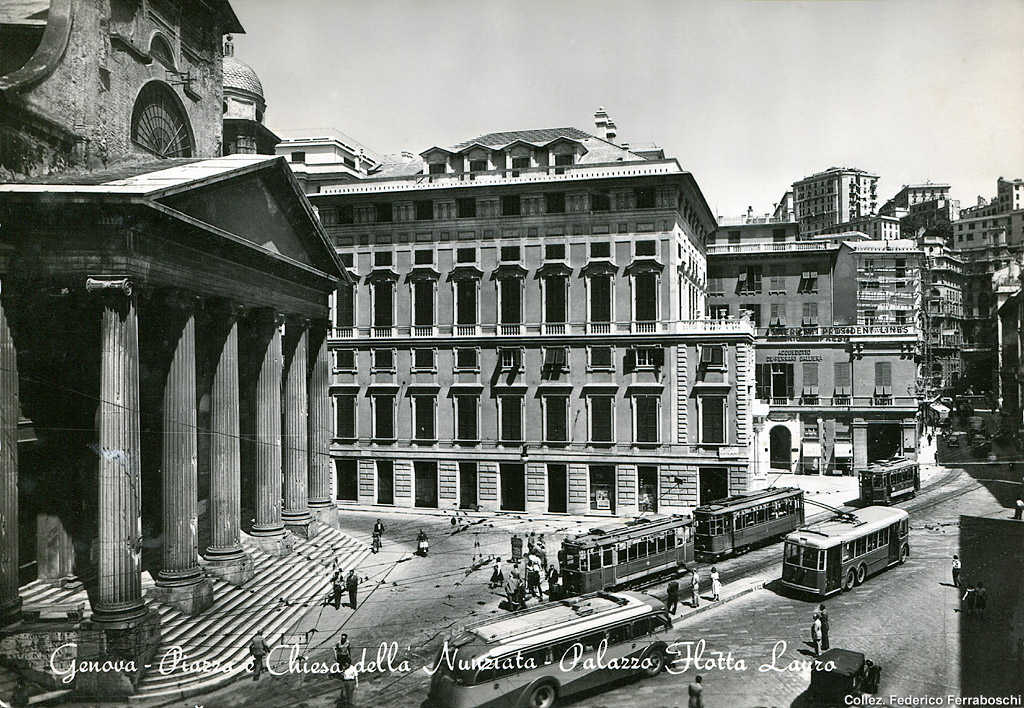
(161, 51)
(159, 122)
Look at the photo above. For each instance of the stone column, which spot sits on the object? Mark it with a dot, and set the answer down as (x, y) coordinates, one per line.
(55, 553)
(295, 440)
(225, 557)
(119, 600)
(268, 530)
(181, 581)
(10, 411)
(320, 425)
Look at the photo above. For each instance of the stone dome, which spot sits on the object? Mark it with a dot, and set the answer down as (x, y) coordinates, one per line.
(241, 77)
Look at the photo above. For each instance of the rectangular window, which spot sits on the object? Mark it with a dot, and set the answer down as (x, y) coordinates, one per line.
(712, 355)
(511, 205)
(649, 357)
(810, 314)
(556, 358)
(778, 275)
(556, 418)
(782, 380)
(423, 417)
(346, 214)
(716, 281)
(510, 410)
(345, 359)
(600, 249)
(511, 292)
(556, 305)
(466, 408)
(554, 202)
(423, 359)
(478, 165)
(382, 259)
(810, 376)
(646, 297)
(778, 235)
(382, 212)
(465, 208)
(424, 210)
(600, 201)
(510, 359)
(345, 416)
(600, 298)
(734, 237)
(554, 252)
(883, 378)
(754, 309)
(601, 419)
(298, 156)
(423, 256)
(465, 255)
(809, 279)
(646, 248)
(646, 408)
(718, 312)
(843, 378)
(509, 254)
(750, 279)
(778, 316)
(467, 359)
(602, 498)
(645, 198)
(437, 168)
(384, 359)
(601, 358)
(465, 302)
(384, 417)
(520, 163)
(712, 415)
(563, 160)
(423, 294)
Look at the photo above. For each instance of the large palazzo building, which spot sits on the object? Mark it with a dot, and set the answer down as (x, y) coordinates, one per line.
(526, 332)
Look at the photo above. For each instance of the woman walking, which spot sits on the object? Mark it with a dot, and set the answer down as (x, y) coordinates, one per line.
(716, 585)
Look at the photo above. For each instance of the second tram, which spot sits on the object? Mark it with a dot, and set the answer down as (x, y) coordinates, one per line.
(843, 551)
(739, 522)
(889, 481)
(609, 557)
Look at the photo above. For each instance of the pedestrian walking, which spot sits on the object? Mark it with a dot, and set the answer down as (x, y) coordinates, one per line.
(823, 614)
(343, 651)
(541, 551)
(716, 585)
(517, 548)
(980, 598)
(531, 543)
(696, 691)
(258, 649)
(520, 589)
(376, 541)
(816, 634)
(352, 583)
(695, 587)
(672, 601)
(969, 599)
(378, 528)
(1019, 511)
(336, 589)
(511, 589)
(422, 543)
(496, 576)
(349, 684)
(554, 584)
(956, 571)
(533, 577)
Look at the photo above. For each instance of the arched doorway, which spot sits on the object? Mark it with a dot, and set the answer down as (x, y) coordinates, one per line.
(780, 442)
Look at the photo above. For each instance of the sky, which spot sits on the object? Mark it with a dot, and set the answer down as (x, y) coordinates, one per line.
(748, 95)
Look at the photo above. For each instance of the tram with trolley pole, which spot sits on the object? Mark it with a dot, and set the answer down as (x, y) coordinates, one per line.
(841, 552)
(890, 481)
(743, 521)
(612, 557)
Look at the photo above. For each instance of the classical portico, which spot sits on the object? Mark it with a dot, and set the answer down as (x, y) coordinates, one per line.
(129, 308)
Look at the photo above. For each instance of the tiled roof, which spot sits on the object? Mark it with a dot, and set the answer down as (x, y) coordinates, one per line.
(120, 171)
(540, 137)
(399, 166)
(241, 76)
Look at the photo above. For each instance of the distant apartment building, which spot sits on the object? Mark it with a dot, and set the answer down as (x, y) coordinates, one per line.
(837, 341)
(912, 194)
(942, 280)
(836, 196)
(325, 156)
(988, 238)
(877, 227)
(527, 332)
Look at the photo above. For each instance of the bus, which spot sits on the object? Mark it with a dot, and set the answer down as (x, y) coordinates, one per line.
(608, 557)
(740, 522)
(535, 657)
(839, 553)
(889, 481)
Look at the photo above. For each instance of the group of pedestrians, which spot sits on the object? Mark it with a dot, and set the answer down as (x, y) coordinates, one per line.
(341, 581)
(524, 576)
(819, 630)
(975, 596)
(672, 600)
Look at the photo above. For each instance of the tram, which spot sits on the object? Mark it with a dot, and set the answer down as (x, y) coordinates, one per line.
(610, 557)
(889, 481)
(843, 551)
(742, 521)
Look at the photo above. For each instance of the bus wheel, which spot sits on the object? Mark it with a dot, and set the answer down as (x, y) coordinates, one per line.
(542, 696)
(851, 580)
(654, 663)
(903, 555)
(862, 572)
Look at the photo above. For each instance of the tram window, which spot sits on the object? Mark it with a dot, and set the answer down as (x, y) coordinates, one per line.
(670, 539)
(570, 560)
(620, 634)
(609, 558)
(661, 542)
(633, 551)
(642, 550)
(642, 627)
(584, 566)
(748, 519)
(595, 559)
(879, 481)
(705, 526)
(761, 515)
(622, 553)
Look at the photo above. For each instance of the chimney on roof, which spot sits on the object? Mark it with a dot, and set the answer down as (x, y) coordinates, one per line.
(750, 212)
(611, 132)
(600, 120)
(229, 46)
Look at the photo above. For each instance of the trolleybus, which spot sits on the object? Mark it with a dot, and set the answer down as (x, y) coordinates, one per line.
(739, 522)
(837, 554)
(611, 556)
(889, 481)
(534, 657)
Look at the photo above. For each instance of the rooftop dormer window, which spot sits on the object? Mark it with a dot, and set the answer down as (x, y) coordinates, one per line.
(436, 168)
(478, 165)
(564, 160)
(520, 163)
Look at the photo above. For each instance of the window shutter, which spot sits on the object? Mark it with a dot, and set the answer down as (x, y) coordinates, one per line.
(810, 378)
(705, 354)
(842, 378)
(789, 380)
(883, 378)
(762, 380)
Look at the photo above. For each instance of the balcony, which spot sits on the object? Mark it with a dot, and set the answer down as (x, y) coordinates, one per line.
(467, 330)
(723, 249)
(841, 400)
(599, 328)
(344, 332)
(645, 327)
(383, 332)
(509, 330)
(424, 331)
(555, 328)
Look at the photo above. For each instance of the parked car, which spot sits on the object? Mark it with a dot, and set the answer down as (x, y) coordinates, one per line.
(839, 675)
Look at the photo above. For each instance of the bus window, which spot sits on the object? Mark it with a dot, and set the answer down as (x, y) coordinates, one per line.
(659, 623)
(609, 557)
(620, 634)
(595, 559)
(621, 548)
(883, 537)
(847, 552)
(592, 641)
(538, 657)
(903, 527)
(642, 627)
(872, 539)
(860, 546)
(761, 514)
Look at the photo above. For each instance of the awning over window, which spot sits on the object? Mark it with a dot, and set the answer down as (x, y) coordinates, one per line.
(812, 449)
(844, 449)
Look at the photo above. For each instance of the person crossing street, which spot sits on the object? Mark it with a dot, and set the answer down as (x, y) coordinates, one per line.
(352, 583)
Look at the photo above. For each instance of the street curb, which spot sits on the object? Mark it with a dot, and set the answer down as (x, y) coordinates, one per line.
(729, 597)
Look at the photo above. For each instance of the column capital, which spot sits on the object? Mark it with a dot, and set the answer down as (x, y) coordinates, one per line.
(109, 284)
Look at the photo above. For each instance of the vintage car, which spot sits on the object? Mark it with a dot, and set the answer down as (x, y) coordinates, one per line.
(838, 674)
